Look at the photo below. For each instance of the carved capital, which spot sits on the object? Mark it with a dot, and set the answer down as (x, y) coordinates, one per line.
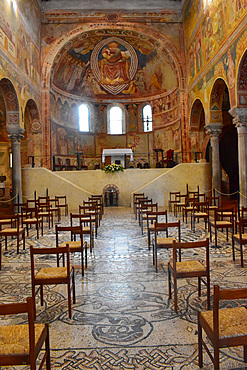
(213, 129)
(239, 116)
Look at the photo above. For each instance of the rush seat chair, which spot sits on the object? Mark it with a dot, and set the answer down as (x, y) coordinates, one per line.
(224, 327)
(21, 344)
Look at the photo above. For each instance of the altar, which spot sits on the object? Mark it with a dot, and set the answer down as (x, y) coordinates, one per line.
(118, 156)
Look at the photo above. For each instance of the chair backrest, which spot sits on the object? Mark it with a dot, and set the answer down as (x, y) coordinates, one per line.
(213, 201)
(181, 246)
(71, 229)
(201, 207)
(172, 195)
(21, 308)
(224, 294)
(180, 198)
(61, 200)
(243, 212)
(48, 251)
(165, 226)
(154, 216)
(221, 213)
(242, 224)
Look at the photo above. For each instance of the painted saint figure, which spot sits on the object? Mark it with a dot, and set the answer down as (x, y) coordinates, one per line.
(115, 65)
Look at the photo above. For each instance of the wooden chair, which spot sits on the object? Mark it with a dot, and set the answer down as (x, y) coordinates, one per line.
(54, 208)
(52, 275)
(74, 246)
(161, 242)
(213, 203)
(45, 212)
(152, 217)
(28, 219)
(224, 327)
(87, 221)
(62, 204)
(135, 197)
(21, 344)
(200, 211)
(172, 199)
(91, 203)
(94, 216)
(15, 230)
(141, 203)
(179, 203)
(240, 237)
(6, 220)
(138, 200)
(189, 206)
(223, 219)
(146, 207)
(100, 200)
(189, 268)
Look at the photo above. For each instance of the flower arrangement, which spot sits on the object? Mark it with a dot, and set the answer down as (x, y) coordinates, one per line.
(111, 168)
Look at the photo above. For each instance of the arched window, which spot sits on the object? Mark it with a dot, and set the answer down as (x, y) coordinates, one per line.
(116, 121)
(84, 118)
(147, 118)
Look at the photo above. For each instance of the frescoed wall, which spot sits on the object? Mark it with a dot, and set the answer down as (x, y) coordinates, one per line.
(216, 38)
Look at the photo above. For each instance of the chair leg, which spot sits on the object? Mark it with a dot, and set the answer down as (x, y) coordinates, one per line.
(199, 287)
(24, 240)
(175, 293)
(41, 295)
(82, 263)
(169, 283)
(18, 242)
(86, 254)
(208, 292)
(245, 353)
(241, 255)
(5, 242)
(47, 348)
(216, 357)
(233, 250)
(200, 353)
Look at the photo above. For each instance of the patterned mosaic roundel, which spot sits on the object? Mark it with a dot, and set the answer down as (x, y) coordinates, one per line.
(114, 64)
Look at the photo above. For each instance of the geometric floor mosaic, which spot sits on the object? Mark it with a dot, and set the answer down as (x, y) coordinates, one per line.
(122, 318)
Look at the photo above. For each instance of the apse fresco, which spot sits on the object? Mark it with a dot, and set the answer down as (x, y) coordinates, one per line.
(105, 65)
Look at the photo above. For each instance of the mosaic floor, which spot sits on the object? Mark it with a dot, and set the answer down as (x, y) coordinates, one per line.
(122, 318)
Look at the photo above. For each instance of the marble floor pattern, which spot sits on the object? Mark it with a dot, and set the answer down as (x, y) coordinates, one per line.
(122, 318)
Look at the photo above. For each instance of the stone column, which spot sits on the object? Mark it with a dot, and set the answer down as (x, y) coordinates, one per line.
(16, 165)
(214, 130)
(240, 121)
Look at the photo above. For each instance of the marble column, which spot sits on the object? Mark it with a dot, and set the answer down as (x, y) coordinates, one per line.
(16, 165)
(240, 121)
(214, 130)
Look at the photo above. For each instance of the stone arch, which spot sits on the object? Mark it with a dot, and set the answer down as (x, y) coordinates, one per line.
(216, 99)
(198, 138)
(31, 146)
(242, 82)
(111, 195)
(11, 104)
(177, 61)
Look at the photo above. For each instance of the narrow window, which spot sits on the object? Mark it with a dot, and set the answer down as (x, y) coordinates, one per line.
(84, 118)
(147, 118)
(116, 121)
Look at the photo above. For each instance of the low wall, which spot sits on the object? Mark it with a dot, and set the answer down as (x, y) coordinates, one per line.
(79, 185)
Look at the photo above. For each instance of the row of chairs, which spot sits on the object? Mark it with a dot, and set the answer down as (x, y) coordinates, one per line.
(36, 336)
(222, 326)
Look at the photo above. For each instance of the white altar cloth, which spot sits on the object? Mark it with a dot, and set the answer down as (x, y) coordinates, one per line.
(117, 153)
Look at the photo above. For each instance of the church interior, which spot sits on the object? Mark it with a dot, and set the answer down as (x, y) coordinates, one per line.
(110, 111)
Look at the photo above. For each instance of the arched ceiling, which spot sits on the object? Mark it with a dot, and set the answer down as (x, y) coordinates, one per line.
(112, 4)
(104, 64)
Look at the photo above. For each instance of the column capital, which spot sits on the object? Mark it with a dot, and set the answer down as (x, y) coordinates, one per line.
(239, 116)
(213, 129)
(16, 133)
